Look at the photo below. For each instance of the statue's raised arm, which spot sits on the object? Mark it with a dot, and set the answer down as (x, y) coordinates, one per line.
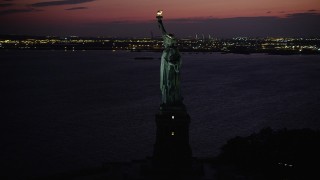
(160, 24)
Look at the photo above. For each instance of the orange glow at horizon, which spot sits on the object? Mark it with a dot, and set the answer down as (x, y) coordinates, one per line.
(144, 10)
(80, 16)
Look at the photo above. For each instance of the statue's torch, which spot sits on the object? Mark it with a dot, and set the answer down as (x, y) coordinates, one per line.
(159, 15)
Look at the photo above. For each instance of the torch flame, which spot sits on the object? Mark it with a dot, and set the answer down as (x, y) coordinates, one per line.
(159, 13)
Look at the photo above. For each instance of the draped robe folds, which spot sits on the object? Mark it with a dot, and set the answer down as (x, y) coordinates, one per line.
(170, 71)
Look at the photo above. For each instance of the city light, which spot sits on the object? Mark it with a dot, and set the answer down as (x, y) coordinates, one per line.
(234, 45)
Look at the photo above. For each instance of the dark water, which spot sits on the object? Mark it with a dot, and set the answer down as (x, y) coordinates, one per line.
(64, 111)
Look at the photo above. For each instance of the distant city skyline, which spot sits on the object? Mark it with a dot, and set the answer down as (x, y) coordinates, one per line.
(125, 18)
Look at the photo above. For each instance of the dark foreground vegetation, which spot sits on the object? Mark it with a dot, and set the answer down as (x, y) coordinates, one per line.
(283, 154)
(277, 155)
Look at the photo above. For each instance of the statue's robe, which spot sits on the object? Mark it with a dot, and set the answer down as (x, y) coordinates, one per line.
(170, 74)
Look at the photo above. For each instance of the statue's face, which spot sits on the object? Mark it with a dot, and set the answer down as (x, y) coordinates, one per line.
(169, 40)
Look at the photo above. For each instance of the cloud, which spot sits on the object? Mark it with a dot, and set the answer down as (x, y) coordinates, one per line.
(292, 25)
(6, 4)
(59, 3)
(76, 8)
(312, 10)
(14, 11)
(303, 15)
(269, 12)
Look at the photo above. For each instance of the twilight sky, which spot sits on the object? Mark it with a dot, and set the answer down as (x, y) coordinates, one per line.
(127, 18)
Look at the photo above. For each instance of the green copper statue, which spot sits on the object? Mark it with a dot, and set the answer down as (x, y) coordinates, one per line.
(170, 68)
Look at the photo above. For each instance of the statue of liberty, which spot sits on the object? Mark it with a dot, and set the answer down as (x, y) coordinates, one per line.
(170, 68)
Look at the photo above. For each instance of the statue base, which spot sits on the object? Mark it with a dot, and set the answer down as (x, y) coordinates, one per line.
(172, 148)
(173, 108)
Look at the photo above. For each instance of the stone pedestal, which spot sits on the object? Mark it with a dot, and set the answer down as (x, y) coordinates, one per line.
(172, 149)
